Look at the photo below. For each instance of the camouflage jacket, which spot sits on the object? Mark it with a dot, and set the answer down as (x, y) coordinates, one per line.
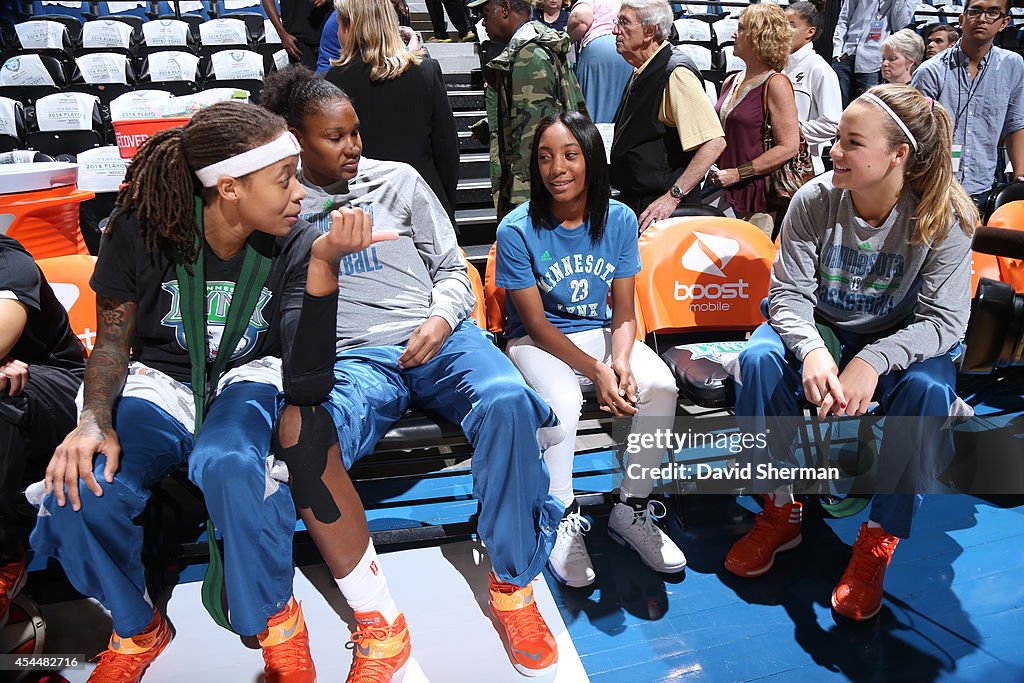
(527, 81)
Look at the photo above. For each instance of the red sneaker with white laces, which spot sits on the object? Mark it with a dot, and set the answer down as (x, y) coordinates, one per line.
(858, 595)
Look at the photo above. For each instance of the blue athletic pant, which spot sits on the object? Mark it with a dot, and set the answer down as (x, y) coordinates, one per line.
(100, 546)
(472, 384)
(772, 385)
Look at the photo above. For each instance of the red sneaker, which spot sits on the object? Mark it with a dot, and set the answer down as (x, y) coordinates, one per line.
(12, 580)
(126, 659)
(777, 528)
(380, 649)
(531, 646)
(285, 646)
(858, 595)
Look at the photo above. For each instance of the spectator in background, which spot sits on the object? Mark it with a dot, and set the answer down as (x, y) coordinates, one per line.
(528, 80)
(330, 44)
(857, 45)
(819, 103)
(41, 365)
(459, 16)
(980, 86)
(552, 13)
(666, 133)
(400, 96)
(762, 41)
(938, 38)
(902, 53)
(602, 72)
(299, 25)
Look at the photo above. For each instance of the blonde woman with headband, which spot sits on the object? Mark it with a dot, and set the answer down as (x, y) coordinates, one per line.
(400, 96)
(875, 256)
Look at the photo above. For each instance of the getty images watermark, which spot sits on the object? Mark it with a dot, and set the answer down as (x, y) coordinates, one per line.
(733, 443)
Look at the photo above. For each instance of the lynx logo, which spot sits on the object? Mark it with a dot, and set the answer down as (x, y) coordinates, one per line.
(218, 299)
(13, 64)
(710, 254)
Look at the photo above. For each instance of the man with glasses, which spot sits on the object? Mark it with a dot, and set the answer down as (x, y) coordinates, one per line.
(667, 134)
(857, 46)
(980, 86)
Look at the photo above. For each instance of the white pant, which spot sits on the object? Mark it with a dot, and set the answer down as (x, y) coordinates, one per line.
(558, 384)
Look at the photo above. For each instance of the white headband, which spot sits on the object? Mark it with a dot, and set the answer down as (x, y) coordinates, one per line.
(239, 165)
(892, 115)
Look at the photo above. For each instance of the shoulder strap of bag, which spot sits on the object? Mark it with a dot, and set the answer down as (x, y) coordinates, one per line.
(205, 377)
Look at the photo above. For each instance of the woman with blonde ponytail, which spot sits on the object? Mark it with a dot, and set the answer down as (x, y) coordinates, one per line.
(874, 264)
(205, 279)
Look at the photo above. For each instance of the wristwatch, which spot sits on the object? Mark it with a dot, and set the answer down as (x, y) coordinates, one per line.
(676, 192)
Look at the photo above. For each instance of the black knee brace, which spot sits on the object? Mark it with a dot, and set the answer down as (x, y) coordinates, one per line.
(307, 460)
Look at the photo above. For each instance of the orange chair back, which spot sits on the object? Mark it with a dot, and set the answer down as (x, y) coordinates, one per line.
(983, 265)
(69, 278)
(494, 295)
(703, 272)
(480, 307)
(45, 222)
(1011, 217)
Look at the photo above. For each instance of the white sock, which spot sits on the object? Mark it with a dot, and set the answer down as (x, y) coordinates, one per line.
(783, 495)
(365, 588)
(872, 524)
(565, 495)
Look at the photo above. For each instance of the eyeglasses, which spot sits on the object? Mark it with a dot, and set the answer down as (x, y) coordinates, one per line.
(990, 13)
(622, 22)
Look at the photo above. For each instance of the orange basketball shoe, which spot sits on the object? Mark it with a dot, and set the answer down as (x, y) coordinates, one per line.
(126, 659)
(285, 646)
(380, 649)
(858, 595)
(531, 646)
(777, 528)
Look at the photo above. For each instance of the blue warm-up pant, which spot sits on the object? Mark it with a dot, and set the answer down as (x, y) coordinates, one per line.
(100, 546)
(472, 384)
(909, 456)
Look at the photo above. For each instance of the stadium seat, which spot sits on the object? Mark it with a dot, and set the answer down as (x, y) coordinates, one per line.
(732, 62)
(725, 29)
(133, 105)
(174, 71)
(44, 37)
(167, 34)
(223, 34)
(104, 74)
(26, 78)
(108, 35)
(12, 124)
(255, 23)
(66, 123)
(128, 10)
(235, 69)
(68, 276)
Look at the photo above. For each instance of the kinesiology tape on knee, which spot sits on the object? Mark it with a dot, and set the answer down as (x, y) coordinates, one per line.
(307, 461)
(309, 363)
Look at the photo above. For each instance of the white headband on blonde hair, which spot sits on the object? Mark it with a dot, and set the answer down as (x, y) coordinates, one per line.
(282, 147)
(899, 122)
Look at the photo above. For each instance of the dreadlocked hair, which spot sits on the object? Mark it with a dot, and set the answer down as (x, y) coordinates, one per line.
(295, 92)
(161, 185)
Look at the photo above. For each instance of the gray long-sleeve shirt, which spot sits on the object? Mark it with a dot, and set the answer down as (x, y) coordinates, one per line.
(386, 291)
(853, 37)
(868, 280)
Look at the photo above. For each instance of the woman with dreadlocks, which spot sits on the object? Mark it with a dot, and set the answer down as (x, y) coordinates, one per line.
(204, 251)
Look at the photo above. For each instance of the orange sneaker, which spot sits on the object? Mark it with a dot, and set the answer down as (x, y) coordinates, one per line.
(858, 595)
(380, 649)
(531, 646)
(126, 659)
(777, 528)
(285, 646)
(12, 580)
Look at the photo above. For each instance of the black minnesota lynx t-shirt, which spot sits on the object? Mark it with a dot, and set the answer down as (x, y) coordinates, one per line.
(125, 271)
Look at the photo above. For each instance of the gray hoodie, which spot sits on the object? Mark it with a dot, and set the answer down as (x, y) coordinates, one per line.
(912, 299)
(386, 291)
